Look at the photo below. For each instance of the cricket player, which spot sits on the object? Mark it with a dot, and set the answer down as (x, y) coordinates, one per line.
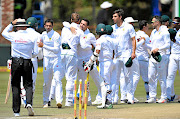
(84, 52)
(32, 21)
(126, 45)
(160, 42)
(50, 42)
(174, 60)
(104, 53)
(142, 54)
(69, 47)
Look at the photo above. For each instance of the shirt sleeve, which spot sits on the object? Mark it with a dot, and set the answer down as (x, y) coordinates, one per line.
(177, 37)
(35, 49)
(132, 32)
(166, 37)
(98, 45)
(7, 34)
(93, 40)
(56, 47)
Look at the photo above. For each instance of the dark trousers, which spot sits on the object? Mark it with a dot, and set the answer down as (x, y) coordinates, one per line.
(21, 67)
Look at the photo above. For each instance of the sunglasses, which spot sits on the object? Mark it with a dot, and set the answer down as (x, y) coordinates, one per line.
(174, 22)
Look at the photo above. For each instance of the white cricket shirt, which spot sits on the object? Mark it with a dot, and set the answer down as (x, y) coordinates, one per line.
(51, 41)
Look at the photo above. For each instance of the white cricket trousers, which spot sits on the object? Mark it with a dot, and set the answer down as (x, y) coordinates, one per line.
(143, 67)
(69, 70)
(136, 73)
(128, 76)
(51, 69)
(34, 72)
(114, 82)
(94, 75)
(105, 71)
(157, 71)
(174, 65)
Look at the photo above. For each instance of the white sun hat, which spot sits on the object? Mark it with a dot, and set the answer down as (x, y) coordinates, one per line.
(21, 22)
(106, 4)
(130, 20)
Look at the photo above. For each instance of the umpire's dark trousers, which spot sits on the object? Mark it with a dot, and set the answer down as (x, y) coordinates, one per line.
(21, 67)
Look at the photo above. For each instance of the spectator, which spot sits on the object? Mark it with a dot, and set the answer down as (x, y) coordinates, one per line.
(103, 13)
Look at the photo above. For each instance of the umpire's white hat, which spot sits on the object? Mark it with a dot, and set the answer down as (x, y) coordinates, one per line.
(21, 22)
(130, 20)
(106, 4)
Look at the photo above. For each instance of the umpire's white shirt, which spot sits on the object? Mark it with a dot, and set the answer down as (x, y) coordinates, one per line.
(51, 41)
(175, 47)
(20, 41)
(160, 39)
(86, 41)
(106, 46)
(141, 50)
(123, 35)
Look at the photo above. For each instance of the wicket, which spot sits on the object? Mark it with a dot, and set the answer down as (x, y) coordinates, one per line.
(80, 99)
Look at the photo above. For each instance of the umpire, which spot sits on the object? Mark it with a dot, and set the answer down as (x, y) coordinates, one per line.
(23, 48)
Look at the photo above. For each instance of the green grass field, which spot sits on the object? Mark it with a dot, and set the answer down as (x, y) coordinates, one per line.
(123, 111)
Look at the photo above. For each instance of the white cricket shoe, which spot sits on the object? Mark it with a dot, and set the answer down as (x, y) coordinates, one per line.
(45, 106)
(162, 100)
(30, 110)
(123, 101)
(16, 114)
(151, 100)
(136, 100)
(110, 106)
(68, 104)
(97, 102)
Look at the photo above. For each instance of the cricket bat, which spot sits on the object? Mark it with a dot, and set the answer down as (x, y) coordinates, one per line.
(8, 89)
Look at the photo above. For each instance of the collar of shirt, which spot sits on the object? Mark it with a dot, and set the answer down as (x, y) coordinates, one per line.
(141, 32)
(86, 31)
(75, 25)
(116, 26)
(22, 31)
(31, 29)
(50, 32)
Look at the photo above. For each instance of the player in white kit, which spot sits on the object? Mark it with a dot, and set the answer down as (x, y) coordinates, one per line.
(143, 41)
(70, 43)
(174, 59)
(126, 46)
(104, 53)
(32, 21)
(50, 42)
(160, 42)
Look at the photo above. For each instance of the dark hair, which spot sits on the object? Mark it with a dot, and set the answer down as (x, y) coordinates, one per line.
(120, 12)
(75, 17)
(86, 20)
(158, 18)
(178, 19)
(49, 20)
(142, 23)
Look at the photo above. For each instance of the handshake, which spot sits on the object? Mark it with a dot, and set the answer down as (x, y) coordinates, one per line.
(88, 66)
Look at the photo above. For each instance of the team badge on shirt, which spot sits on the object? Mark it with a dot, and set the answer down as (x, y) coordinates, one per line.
(44, 68)
(85, 37)
(49, 38)
(159, 33)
